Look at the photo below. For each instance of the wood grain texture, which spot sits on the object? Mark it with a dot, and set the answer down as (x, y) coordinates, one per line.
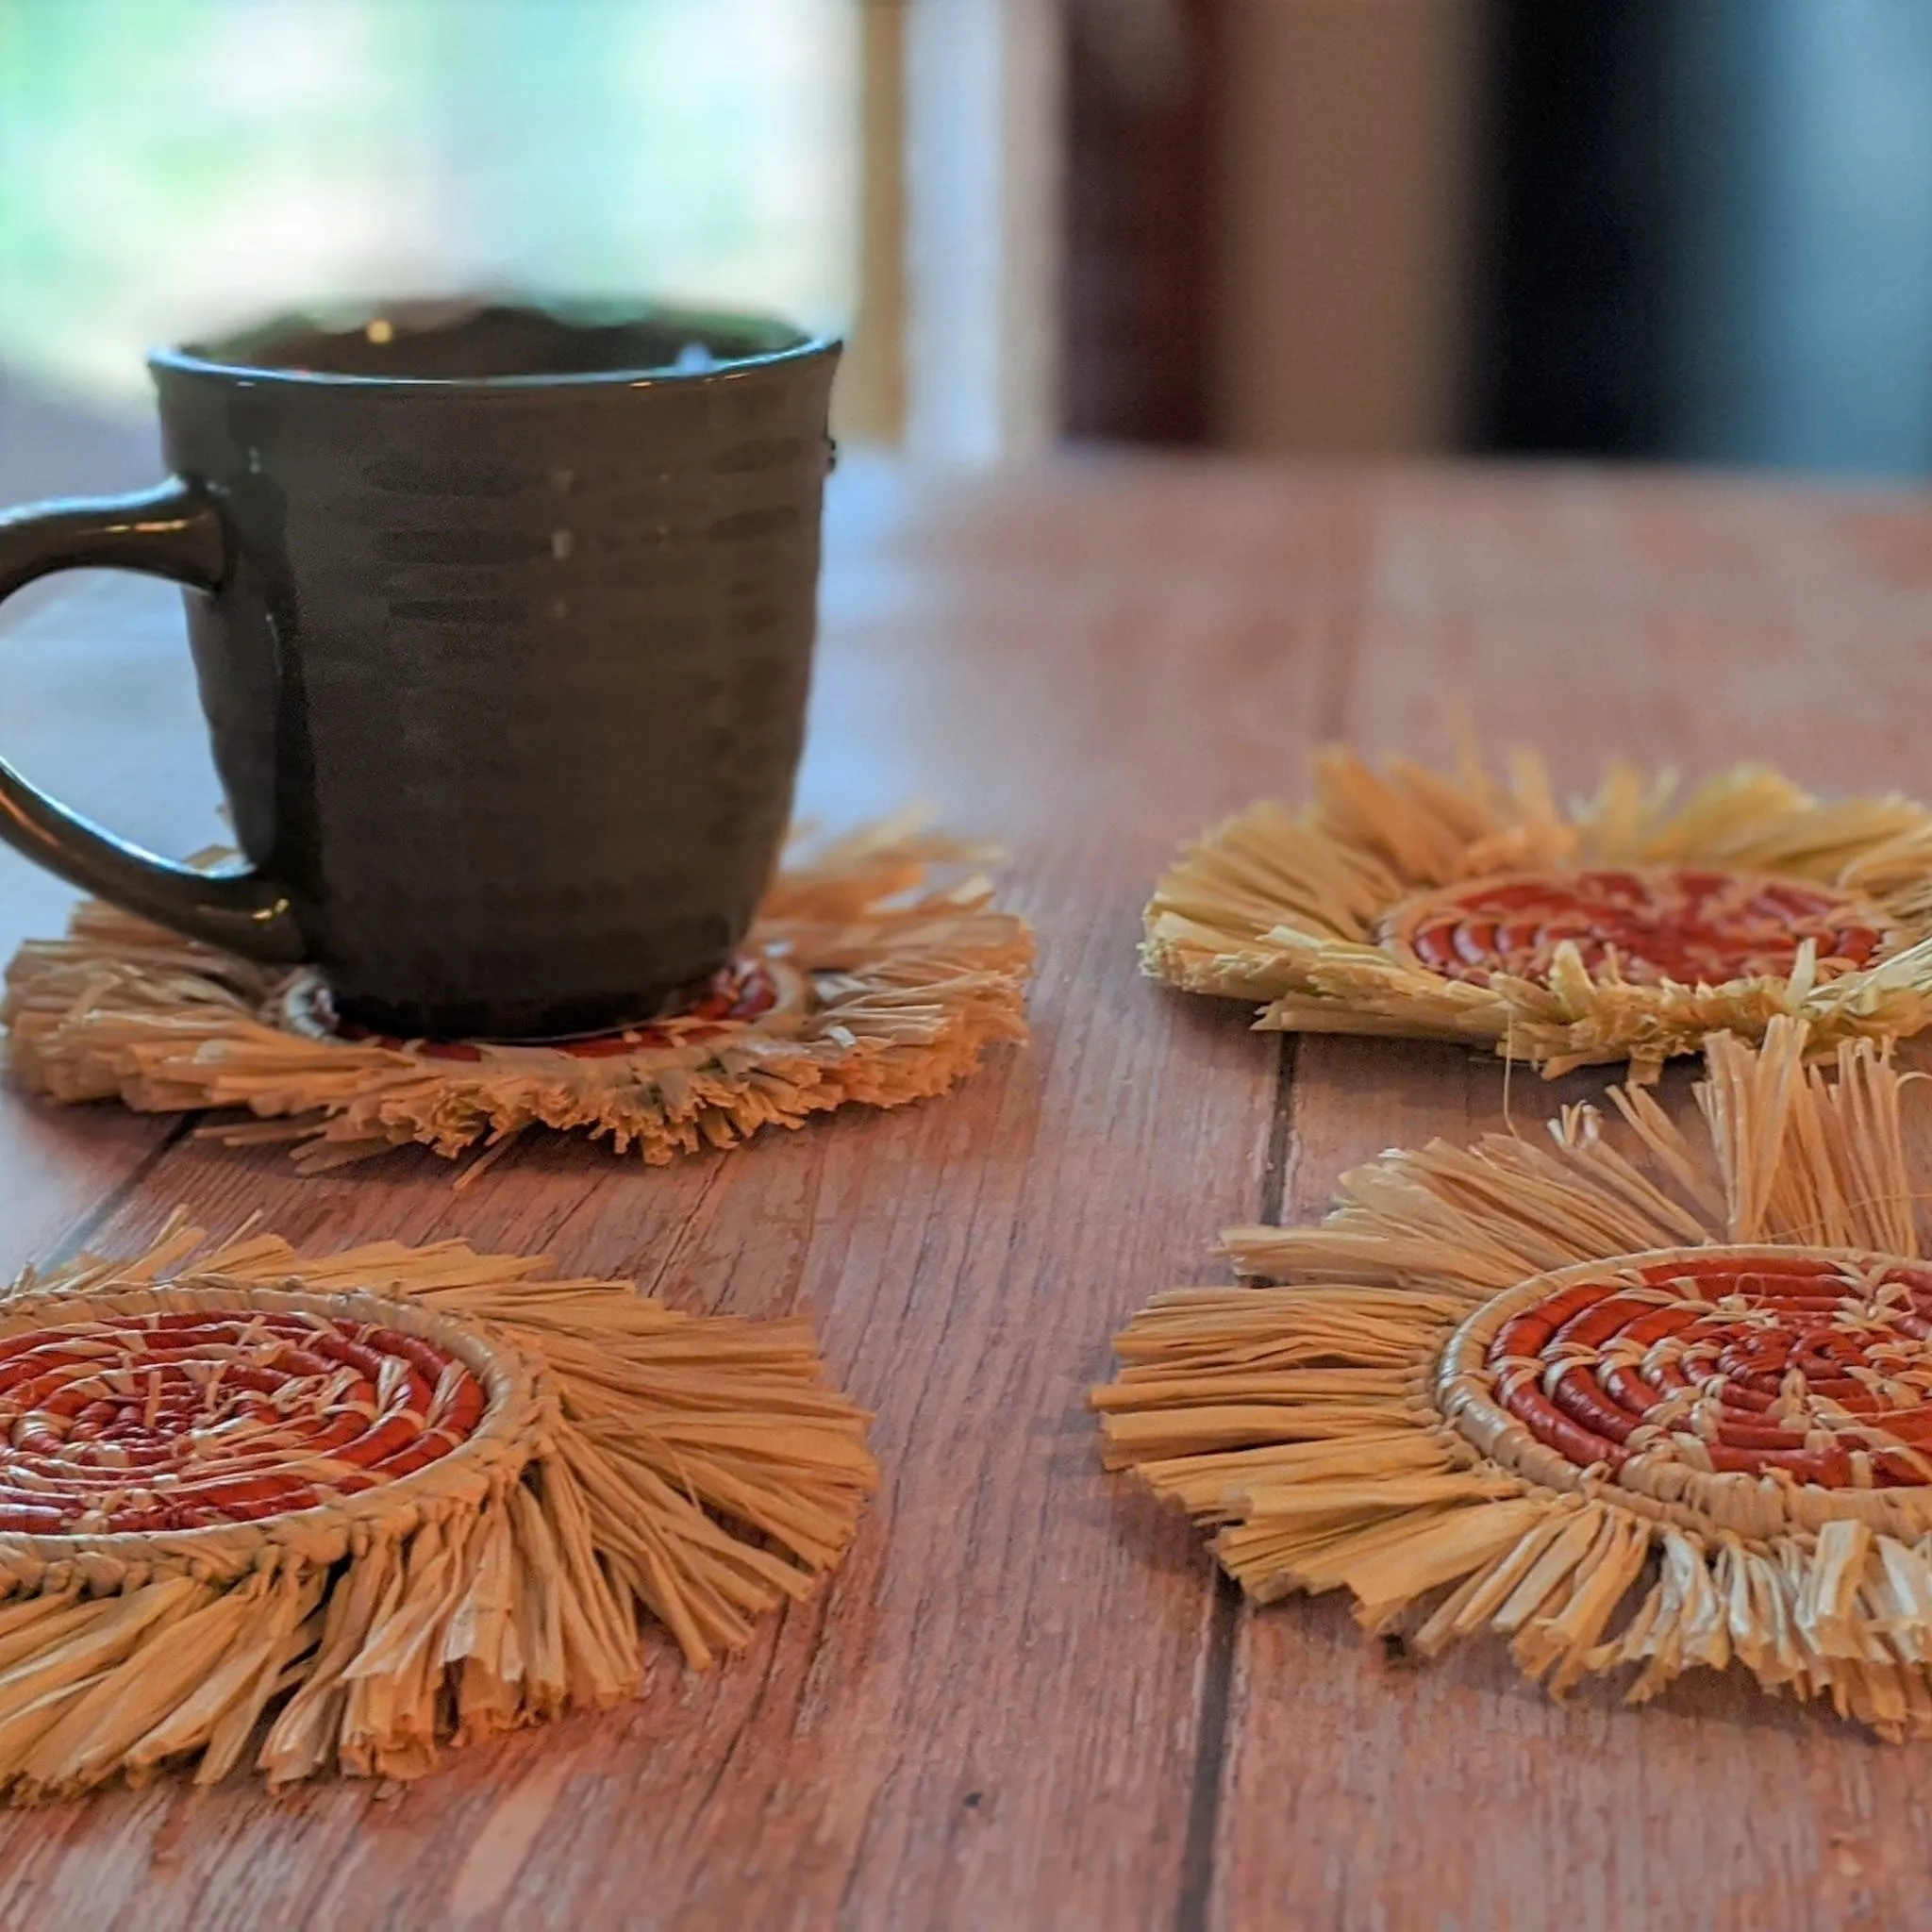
(1024, 1701)
(1685, 622)
(992, 1716)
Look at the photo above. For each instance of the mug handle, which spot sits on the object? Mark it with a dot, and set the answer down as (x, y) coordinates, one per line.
(173, 531)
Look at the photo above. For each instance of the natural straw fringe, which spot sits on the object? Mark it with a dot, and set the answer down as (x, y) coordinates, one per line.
(635, 1464)
(907, 986)
(1337, 1433)
(1288, 909)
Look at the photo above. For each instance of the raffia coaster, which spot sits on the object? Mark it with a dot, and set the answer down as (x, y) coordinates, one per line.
(337, 1512)
(1626, 929)
(862, 982)
(1634, 1414)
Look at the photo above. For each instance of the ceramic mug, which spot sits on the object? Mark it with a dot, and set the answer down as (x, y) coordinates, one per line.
(503, 621)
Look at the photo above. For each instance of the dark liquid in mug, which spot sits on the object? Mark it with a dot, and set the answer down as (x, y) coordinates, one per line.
(462, 342)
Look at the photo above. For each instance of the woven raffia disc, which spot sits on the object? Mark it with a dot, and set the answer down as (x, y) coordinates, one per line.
(1634, 1412)
(1627, 929)
(860, 983)
(335, 1513)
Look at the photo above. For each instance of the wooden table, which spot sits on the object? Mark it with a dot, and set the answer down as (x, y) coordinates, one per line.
(1026, 1700)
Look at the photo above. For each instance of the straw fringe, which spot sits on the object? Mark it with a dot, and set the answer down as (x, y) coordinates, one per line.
(908, 985)
(1332, 1435)
(1286, 908)
(635, 1464)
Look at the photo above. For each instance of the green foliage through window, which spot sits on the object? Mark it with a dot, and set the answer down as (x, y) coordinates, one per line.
(172, 165)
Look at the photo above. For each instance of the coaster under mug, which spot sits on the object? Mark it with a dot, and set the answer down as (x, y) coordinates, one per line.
(867, 979)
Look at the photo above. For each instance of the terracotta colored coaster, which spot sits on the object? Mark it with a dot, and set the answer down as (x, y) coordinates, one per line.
(862, 982)
(1627, 929)
(339, 1512)
(1635, 1410)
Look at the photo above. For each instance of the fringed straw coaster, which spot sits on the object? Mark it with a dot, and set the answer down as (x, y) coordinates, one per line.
(860, 983)
(1634, 1414)
(1408, 903)
(337, 1512)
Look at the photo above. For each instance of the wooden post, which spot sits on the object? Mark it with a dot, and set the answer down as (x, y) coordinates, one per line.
(1137, 325)
(869, 403)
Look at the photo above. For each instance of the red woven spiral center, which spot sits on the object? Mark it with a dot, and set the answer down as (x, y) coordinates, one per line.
(1690, 927)
(185, 1421)
(1814, 1367)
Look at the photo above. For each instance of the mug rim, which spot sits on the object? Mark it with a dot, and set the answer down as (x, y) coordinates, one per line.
(208, 360)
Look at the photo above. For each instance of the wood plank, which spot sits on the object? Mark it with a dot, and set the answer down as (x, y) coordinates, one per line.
(991, 1718)
(1695, 622)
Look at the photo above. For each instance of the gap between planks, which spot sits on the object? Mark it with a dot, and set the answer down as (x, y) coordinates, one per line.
(87, 1224)
(1192, 1907)
(1217, 1669)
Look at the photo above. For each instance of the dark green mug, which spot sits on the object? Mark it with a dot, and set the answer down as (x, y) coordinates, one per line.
(503, 620)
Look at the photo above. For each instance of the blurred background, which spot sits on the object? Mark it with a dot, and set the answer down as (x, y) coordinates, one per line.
(1655, 230)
